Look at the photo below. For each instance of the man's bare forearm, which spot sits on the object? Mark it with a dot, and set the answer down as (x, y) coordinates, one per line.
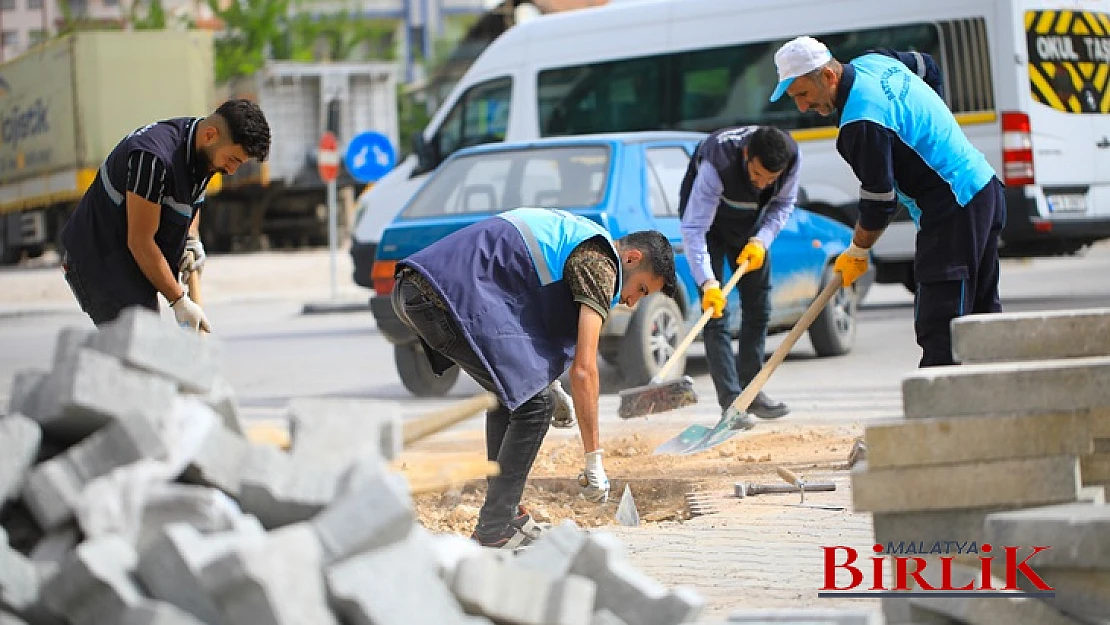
(585, 388)
(154, 267)
(865, 238)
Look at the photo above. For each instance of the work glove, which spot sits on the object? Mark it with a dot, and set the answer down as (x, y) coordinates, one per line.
(196, 261)
(189, 315)
(711, 297)
(594, 482)
(753, 253)
(563, 416)
(852, 263)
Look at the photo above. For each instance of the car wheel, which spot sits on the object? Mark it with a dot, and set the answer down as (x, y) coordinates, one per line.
(834, 330)
(416, 373)
(653, 333)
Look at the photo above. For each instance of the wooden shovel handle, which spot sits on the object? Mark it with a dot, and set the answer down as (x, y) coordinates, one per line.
(704, 319)
(748, 396)
(423, 427)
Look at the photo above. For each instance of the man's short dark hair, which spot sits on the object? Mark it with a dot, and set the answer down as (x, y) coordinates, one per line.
(247, 126)
(772, 147)
(658, 252)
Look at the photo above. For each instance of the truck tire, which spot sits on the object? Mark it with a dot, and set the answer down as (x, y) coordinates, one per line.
(834, 330)
(654, 331)
(417, 375)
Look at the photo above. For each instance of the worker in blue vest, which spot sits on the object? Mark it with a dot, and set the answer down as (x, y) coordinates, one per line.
(137, 226)
(903, 143)
(514, 300)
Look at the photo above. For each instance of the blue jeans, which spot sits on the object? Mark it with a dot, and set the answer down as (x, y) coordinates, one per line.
(732, 372)
(513, 438)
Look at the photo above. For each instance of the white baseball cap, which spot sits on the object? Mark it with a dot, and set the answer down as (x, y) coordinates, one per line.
(798, 57)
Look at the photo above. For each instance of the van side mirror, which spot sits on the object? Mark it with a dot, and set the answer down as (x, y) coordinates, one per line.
(423, 152)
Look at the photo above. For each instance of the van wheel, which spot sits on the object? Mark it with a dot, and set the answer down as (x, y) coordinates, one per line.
(653, 333)
(834, 330)
(417, 375)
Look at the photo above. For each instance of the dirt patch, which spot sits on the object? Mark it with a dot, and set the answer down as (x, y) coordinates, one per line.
(659, 483)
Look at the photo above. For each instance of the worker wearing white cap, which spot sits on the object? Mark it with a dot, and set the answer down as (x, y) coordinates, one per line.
(903, 144)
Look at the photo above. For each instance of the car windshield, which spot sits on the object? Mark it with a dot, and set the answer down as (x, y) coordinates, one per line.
(557, 177)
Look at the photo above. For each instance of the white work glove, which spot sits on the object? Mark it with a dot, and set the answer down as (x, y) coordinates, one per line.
(189, 315)
(563, 416)
(594, 482)
(192, 244)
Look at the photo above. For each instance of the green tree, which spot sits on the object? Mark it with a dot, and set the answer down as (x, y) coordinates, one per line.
(250, 29)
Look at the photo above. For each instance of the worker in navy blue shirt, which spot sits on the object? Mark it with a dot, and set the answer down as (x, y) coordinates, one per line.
(740, 189)
(137, 222)
(903, 143)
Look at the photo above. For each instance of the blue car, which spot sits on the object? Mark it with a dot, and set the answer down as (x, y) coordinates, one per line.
(625, 182)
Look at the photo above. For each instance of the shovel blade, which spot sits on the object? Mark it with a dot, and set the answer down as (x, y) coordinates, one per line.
(731, 424)
(676, 445)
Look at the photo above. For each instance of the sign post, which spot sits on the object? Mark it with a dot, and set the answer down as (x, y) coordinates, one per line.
(327, 162)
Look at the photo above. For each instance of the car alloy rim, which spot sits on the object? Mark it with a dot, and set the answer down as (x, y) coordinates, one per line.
(842, 311)
(664, 336)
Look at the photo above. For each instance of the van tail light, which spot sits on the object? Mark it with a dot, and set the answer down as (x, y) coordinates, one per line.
(382, 276)
(1017, 149)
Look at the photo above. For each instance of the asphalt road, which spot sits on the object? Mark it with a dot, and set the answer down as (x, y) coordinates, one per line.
(273, 353)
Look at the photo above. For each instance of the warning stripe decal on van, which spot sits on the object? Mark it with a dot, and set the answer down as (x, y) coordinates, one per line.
(1069, 59)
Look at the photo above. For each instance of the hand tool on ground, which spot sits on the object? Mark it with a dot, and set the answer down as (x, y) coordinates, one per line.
(743, 490)
(660, 395)
(792, 478)
(727, 427)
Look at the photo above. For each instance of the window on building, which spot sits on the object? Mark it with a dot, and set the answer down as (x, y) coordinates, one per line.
(110, 3)
(34, 5)
(7, 5)
(37, 35)
(9, 38)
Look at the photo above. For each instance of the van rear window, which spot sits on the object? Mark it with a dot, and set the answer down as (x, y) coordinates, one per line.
(1069, 59)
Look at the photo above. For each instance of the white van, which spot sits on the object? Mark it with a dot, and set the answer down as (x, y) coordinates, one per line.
(1027, 79)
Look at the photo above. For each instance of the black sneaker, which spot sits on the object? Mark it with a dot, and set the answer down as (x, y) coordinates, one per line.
(766, 408)
(519, 533)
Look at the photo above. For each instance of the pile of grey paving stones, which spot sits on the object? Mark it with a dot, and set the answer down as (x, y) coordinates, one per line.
(1011, 448)
(130, 495)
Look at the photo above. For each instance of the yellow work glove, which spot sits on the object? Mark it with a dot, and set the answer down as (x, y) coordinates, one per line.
(852, 263)
(712, 298)
(754, 253)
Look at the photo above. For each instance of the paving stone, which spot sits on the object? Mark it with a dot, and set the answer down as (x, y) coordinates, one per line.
(221, 398)
(955, 530)
(810, 615)
(171, 567)
(921, 442)
(605, 617)
(94, 586)
(1082, 594)
(985, 610)
(19, 581)
(55, 546)
(142, 339)
(53, 488)
(321, 429)
(70, 341)
(1095, 468)
(83, 395)
(281, 491)
(206, 509)
(277, 581)
(1078, 534)
(158, 613)
(25, 395)
(482, 585)
(1000, 483)
(407, 589)
(1008, 388)
(219, 461)
(555, 550)
(379, 512)
(20, 437)
(627, 592)
(1043, 335)
(10, 619)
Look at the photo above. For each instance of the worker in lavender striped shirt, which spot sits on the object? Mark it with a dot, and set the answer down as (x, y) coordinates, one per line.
(739, 190)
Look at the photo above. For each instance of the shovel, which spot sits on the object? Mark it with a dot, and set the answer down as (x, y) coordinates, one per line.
(658, 396)
(729, 424)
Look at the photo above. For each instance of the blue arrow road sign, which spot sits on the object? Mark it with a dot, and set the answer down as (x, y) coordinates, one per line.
(369, 156)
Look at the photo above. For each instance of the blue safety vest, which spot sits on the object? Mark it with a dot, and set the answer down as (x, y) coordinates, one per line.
(502, 281)
(887, 93)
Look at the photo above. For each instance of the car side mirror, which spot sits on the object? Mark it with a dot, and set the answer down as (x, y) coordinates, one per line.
(424, 160)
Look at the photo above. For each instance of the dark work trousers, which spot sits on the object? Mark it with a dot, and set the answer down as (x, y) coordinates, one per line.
(731, 373)
(513, 438)
(956, 268)
(93, 298)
